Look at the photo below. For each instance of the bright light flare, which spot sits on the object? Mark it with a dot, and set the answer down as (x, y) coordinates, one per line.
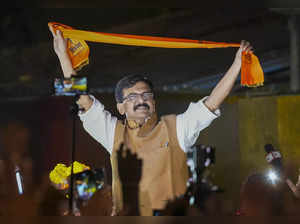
(272, 176)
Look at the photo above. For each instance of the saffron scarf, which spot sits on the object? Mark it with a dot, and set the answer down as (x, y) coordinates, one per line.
(251, 72)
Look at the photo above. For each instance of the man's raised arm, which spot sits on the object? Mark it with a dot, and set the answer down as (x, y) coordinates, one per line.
(199, 115)
(223, 88)
(98, 122)
(60, 48)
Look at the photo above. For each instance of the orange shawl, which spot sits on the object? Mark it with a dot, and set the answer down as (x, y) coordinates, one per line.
(251, 73)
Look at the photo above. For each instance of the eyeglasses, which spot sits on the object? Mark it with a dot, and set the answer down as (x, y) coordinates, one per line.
(134, 96)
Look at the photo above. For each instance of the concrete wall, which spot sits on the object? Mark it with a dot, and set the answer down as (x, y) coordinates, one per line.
(273, 120)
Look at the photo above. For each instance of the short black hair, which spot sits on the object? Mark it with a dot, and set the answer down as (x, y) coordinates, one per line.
(128, 82)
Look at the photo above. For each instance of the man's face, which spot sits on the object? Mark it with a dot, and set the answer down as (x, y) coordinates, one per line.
(138, 102)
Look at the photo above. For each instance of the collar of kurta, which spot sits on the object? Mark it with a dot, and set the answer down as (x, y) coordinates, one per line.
(145, 129)
(251, 72)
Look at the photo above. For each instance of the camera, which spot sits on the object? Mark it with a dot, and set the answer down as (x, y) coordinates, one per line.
(200, 157)
(201, 160)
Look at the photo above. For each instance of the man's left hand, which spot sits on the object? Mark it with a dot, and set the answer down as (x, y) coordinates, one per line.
(245, 47)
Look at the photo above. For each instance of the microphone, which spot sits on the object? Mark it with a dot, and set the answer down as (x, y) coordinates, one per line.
(273, 157)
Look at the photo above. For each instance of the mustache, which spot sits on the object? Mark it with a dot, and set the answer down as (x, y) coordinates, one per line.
(141, 105)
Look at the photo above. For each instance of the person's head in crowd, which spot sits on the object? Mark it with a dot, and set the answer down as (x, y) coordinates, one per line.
(180, 207)
(269, 148)
(259, 197)
(53, 203)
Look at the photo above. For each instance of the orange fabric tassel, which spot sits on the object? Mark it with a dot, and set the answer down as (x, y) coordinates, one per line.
(251, 73)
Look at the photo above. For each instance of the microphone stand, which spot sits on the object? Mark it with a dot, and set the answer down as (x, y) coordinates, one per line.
(74, 111)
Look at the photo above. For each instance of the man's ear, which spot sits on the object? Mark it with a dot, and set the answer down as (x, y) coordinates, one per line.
(121, 108)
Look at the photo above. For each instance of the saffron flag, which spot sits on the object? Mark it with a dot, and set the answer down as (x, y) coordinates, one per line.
(251, 72)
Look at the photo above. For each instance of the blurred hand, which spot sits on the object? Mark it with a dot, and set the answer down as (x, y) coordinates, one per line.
(129, 166)
(295, 188)
(130, 173)
(84, 102)
(298, 182)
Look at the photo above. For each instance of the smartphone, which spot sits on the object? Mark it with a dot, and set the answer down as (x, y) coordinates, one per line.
(76, 85)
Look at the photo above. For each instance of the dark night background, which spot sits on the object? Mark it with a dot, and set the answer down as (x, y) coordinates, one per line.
(37, 125)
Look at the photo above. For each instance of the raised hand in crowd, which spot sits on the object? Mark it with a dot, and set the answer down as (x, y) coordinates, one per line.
(295, 188)
(130, 173)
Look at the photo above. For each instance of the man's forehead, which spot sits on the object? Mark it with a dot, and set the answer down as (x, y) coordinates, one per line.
(138, 87)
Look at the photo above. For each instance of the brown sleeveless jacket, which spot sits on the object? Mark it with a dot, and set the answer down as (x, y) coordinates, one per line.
(164, 169)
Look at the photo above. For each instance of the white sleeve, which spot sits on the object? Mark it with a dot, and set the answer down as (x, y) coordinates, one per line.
(100, 124)
(190, 123)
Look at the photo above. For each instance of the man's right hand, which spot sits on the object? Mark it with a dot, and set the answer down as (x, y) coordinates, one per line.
(60, 48)
(85, 102)
(59, 43)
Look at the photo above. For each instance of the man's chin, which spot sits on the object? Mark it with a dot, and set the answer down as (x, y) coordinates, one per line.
(142, 114)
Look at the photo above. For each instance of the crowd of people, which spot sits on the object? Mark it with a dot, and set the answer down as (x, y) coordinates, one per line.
(259, 196)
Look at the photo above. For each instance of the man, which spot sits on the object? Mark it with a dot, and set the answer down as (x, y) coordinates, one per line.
(160, 143)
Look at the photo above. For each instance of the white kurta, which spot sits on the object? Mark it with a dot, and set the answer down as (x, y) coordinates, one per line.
(100, 124)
